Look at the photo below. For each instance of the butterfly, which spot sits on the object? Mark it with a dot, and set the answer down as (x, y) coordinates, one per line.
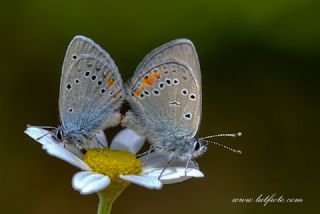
(166, 101)
(91, 91)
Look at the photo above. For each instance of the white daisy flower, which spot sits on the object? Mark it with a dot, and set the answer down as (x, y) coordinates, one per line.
(116, 164)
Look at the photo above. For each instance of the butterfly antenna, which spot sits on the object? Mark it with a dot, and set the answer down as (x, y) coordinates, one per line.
(238, 134)
(222, 146)
(41, 127)
(50, 132)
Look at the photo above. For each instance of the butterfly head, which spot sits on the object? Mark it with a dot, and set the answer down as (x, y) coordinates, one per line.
(198, 148)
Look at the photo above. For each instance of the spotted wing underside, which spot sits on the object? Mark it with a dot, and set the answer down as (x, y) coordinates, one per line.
(90, 88)
(165, 93)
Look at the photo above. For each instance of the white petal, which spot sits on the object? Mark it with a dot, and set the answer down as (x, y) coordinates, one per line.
(128, 140)
(99, 141)
(44, 137)
(174, 172)
(77, 179)
(87, 182)
(53, 148)
(113, 120)
(40, 135)
(145, 181)
(101, 137)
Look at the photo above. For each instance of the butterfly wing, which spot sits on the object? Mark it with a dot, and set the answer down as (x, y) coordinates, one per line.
(90, 87)
(165, 93)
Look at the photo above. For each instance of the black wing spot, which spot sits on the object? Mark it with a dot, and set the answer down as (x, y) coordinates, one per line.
(146, 93)
(156, 92)
(161, 85)
(74, 56)
(192, 97)
(187, 116)
(103, 91)
(168, 81)
(184, 91)
(69, 86)
(175, 81)
(87, 73)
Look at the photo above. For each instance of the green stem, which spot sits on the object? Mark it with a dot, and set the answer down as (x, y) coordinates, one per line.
(109, 195)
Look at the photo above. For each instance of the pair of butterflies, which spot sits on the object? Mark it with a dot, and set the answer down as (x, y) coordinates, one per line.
(164, 95)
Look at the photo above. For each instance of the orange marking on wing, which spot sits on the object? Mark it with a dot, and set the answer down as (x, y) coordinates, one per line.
(111, 82)
(117, 95)
(157, 75)
(142, 87)
(136, 93)
(148, 80)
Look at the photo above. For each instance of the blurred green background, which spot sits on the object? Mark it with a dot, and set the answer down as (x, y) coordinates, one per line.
(260, 68)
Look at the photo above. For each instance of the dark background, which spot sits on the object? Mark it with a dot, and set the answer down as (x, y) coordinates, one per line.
(260, 68)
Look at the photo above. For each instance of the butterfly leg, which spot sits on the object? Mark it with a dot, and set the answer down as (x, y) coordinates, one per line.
(50, 132)
(149, 152)
(195, 162)
(187, 165)
(146, 153)
(101, 139)
(164, 169)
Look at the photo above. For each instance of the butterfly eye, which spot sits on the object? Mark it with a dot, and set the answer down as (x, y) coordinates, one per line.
(59, 135)
(197, 146)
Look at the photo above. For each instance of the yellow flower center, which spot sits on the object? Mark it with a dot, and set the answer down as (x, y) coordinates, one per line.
(113, 163)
